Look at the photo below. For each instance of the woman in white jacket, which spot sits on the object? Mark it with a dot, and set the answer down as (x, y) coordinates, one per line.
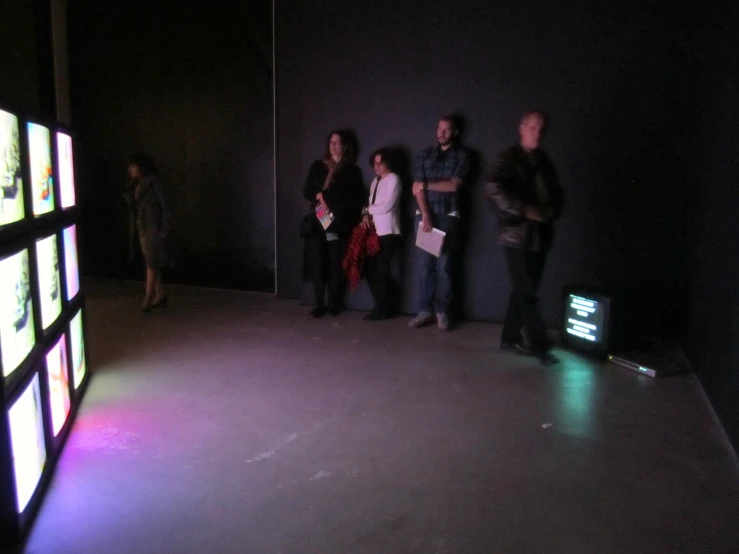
(383, 213)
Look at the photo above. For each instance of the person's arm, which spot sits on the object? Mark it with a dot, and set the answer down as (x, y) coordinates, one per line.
(419, 192)
(500, 190)
(447, 185)
(419, 175)
(419, 171)
(390, 198)
(427, 222)
(164, 204)
(450, 185)
(314, 182)
(128, 192)
(457, 180)
(346, 197)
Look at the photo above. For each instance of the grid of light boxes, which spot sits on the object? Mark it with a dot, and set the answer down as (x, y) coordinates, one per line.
(42, 337)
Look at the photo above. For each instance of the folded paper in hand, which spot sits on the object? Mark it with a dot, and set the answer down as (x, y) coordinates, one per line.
(431, 242)
(324, 216)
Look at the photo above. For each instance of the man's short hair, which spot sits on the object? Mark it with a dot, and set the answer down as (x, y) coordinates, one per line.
(453, 120)
(540, 113)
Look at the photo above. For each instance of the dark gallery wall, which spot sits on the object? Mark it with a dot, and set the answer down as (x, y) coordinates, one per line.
(191, 84)
(713, 331)
(19, 56)
(614, 77)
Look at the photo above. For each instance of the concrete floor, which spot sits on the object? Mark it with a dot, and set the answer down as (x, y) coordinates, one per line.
(232, 423)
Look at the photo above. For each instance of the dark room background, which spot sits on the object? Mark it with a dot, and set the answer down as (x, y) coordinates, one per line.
(712, 333)
(20, 54)
(642, 96)
(190, 83)
(641, 101)
(613, 76)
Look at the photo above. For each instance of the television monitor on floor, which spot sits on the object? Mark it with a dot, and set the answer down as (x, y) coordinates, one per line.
(12, 207)
(592, 321)
(17, 335)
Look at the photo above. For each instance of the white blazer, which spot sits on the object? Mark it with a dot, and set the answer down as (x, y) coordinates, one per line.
(386, 209)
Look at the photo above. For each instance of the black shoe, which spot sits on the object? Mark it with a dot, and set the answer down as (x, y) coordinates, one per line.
(516, 347)
(318, 311)
(548, 359)
(373, 316)
(334, 310)
(163, 303)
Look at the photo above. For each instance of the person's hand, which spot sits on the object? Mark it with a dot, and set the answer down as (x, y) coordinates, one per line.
(533, 214)
(426, 224)
(417, 187)
(319, 197)
(366, 221)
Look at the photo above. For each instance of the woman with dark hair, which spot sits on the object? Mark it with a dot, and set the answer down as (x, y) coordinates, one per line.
(383, 213)
(150, 217)
(335, 184)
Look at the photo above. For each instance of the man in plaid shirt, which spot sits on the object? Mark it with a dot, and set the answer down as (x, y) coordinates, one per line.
(438, 173)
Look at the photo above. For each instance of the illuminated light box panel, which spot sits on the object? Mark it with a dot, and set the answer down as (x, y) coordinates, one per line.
(65, 159)
(28, 447)
(17, 334)
(71, 264)
(77, 349)
(44, 370)
(12, 206)
(42, 180)
(57, 372)
(49, 282)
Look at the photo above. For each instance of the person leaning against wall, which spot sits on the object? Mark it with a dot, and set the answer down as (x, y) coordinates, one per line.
(438, 173)
(524, 190)
(383, 213)
(335, 183)
(151, 221)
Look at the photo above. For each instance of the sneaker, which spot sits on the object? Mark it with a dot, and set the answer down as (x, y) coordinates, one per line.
(420, 320)
(442, 321)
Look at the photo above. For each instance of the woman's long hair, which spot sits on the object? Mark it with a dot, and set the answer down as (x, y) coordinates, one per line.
(144, 162)
(349, 154)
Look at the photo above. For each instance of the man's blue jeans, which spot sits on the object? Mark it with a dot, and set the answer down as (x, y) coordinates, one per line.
(436, 273)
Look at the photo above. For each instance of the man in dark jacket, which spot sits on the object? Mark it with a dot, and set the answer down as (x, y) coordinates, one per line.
(524, 190)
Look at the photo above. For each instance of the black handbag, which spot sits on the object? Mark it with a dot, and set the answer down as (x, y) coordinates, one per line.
(309, 225)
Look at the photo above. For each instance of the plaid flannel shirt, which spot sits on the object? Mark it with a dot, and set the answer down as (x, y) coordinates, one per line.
(435, 164)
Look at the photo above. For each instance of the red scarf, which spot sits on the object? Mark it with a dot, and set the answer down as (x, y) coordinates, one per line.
(363, 243)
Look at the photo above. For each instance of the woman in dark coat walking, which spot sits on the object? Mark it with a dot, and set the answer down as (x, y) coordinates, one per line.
(150, 218)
